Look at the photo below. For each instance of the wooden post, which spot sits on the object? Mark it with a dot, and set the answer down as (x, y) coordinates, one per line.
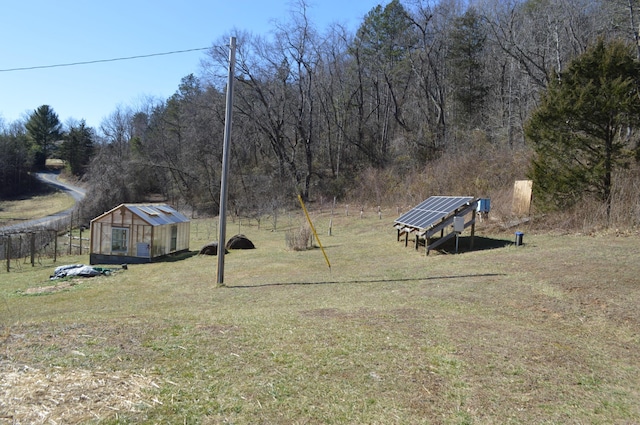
(225, 163)
(473, 228)
(8, 253)
(80, 241)
(70, 229)
(32, 248)
(55, 245)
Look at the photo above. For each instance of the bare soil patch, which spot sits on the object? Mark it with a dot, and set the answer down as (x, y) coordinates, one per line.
(51, 288)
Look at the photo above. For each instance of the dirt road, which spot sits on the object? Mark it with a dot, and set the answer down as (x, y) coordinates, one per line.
(51, 179)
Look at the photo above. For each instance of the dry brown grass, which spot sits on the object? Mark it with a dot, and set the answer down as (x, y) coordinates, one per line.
(299, 239)
(54, 164)
(18, 210)
(70, 396)
(543, 333)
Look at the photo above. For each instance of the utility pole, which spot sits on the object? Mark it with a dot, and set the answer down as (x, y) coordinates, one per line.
(225, 163)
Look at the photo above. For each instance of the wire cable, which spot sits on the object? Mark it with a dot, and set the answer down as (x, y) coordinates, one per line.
(174, 52)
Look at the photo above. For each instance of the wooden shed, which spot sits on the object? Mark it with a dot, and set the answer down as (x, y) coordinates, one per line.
(138, 233)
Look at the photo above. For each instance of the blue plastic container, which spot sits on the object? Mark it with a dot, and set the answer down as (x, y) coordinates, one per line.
(484, 205)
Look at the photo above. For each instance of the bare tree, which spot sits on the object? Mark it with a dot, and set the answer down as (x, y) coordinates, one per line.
(295, 40)
(332, 86)
(274, 97)
(430, 93)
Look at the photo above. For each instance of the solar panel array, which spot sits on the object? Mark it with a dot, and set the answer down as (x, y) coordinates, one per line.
(432, 210)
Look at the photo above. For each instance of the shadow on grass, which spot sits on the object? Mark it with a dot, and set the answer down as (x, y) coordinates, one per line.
(172, 258)
(416, 279)
(480, 243)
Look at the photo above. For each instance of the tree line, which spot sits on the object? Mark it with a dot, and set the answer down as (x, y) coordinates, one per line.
(25, 147)
(315, 110)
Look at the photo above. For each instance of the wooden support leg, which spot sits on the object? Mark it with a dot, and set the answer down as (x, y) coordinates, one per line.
(473, 229)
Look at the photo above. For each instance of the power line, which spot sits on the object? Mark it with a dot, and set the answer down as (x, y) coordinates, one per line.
(174, 52)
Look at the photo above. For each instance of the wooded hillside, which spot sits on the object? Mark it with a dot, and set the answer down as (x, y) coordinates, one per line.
(426, 97)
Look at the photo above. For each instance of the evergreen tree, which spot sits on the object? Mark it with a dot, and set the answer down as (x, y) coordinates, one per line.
(381, 50)
(580, 132)
(15, 163)
(466, 55)
(384, 34)
(44, 129)
(77, 148)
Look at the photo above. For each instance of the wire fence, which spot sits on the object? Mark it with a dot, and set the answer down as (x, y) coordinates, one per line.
(31, 246)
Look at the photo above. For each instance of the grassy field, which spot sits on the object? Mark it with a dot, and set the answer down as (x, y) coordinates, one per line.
(16, 210)
(542, 333)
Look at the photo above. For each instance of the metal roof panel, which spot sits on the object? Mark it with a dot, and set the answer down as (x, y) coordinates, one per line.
(157, 215)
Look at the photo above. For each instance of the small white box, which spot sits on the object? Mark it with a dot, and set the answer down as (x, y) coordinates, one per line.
(458, 224)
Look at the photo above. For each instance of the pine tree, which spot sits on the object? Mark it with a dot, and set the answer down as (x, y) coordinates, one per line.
(77, 149)
(470, 87)
(44, 129)
(382, 48)
(580, 132)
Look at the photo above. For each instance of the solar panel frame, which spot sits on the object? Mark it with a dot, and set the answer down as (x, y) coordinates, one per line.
(432, 210)
(147, 209)
(157, 216)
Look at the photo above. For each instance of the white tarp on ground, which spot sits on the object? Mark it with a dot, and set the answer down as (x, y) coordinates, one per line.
(74, 270)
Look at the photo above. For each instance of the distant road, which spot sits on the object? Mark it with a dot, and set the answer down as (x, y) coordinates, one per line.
(51, 179)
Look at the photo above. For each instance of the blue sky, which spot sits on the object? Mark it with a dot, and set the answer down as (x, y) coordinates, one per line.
(44, 32)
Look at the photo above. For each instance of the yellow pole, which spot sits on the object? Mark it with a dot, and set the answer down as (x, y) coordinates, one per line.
(313, 229)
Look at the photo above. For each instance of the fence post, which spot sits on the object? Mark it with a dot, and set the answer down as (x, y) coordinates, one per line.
(33, 248)
(55, 245)
(8, 253)
(80, 243)
(70, 229)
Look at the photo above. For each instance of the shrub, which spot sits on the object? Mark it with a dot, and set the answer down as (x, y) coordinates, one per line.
(298, 239)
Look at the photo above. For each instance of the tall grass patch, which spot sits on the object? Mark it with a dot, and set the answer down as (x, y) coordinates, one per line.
(299, 239)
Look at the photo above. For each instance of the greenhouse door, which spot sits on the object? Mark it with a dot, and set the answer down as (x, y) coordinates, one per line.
(119, 240)
(174, 238)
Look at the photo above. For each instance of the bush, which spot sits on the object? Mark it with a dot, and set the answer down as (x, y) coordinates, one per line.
(300, 239)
